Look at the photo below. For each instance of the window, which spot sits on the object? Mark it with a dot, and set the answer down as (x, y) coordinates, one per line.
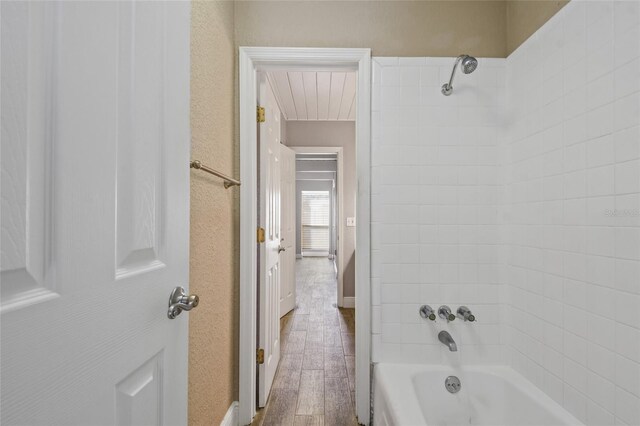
(315, 222)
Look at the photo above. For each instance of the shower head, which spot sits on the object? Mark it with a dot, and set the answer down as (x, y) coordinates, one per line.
(469, 65)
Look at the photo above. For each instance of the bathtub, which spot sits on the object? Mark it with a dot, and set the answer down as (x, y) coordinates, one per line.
(415, 394)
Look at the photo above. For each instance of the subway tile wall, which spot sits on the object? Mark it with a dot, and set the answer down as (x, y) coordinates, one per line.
(437, 190)
(519, 196)
(572, 211)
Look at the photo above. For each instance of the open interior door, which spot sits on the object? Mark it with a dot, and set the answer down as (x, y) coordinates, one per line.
(288, 206)
(269, 251)
(95, 212)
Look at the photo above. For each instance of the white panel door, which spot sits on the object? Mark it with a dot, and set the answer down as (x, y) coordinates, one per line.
(288, 224)
(269, 252)
(94, 221)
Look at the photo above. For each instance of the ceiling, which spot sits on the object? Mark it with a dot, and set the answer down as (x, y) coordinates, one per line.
(315, 96)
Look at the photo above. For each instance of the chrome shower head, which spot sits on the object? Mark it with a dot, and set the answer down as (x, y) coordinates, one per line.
(469, 65)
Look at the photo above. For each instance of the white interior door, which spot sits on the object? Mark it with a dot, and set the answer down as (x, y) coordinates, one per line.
(94, 226)
(269, 253)
(288, 207)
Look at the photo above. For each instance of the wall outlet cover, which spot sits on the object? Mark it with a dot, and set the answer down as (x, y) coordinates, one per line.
(351, 221)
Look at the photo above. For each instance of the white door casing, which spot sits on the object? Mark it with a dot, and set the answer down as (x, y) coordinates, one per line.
(269, 219)
(95, 221)
(288, 225)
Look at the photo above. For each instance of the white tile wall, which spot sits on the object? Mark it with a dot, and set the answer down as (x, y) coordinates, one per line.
(518, 195)
(436, 192)
(572, 213)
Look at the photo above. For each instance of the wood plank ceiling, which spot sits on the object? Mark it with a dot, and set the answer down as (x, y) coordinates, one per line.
(315, 96)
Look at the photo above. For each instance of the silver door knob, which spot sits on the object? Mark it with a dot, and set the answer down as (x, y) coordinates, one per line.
(280, 249)
(180, 301)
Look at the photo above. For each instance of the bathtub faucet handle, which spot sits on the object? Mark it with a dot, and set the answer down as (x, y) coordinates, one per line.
(445, 313)
(427, 312)
(465, 314)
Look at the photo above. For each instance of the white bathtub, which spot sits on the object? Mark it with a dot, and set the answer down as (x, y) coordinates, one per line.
(414, 394)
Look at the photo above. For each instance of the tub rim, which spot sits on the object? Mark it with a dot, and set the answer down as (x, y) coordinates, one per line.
(406, 409)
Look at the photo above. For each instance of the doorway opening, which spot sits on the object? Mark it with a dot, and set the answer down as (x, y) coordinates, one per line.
(317, 351)
(322, 169)
(313, 350)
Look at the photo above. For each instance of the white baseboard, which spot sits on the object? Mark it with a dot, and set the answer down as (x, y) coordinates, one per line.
(231, 418)
(348, 302)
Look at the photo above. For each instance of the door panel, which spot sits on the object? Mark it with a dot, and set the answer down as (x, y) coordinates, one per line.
(288, 206)
(26, 162)
(139, 395)
(269, 217)
(95, 218)
(140, 196)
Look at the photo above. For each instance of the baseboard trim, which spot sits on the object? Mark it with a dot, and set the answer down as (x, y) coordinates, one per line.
(298, 256)
(348, 302)
(231, 418)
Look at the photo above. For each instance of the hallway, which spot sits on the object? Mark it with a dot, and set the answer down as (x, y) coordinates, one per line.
(315, 381)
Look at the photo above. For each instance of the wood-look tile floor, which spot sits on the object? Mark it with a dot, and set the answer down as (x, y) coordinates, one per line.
(315, 380)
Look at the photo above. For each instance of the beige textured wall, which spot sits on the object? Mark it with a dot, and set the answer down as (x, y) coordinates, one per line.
(389, 28)
(337, 133)
(213, 326)
(524, 17)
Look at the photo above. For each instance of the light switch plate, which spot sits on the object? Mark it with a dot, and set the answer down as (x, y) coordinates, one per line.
(351, 221)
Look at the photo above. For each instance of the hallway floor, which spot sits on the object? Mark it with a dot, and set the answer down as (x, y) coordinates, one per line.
(315, 381)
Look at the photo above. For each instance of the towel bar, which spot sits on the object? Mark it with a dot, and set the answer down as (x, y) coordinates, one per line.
(227, 180)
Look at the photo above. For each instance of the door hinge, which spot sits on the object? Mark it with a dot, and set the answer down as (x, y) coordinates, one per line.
(260, 115)
(261, 235)
(260, 356)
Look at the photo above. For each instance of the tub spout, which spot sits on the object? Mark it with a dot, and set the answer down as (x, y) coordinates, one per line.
(447, 340)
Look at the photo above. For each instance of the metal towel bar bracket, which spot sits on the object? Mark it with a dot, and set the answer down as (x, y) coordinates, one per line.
(227, 180)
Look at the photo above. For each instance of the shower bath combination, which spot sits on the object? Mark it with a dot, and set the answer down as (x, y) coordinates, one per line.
(469, 65)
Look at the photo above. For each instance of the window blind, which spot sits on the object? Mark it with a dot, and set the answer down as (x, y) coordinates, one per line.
(315, 221)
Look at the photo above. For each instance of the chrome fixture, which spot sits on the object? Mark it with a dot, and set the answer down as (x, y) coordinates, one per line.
(465, 314)
(446, 339)
(228, 181)
(445, 313)
(469, 65)
(179, 301)
(453, 385)
(427, 312)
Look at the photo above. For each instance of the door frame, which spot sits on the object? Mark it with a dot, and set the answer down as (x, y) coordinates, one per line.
(339, 185)
(252, 59)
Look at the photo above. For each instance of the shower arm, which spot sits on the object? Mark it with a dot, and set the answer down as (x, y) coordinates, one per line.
(453, 73)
